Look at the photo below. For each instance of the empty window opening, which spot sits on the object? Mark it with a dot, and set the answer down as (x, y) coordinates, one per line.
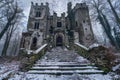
(86, 29)
(76, 24)
(38, 14)
(59, 41)
(34, 43)
(83, 21)
(59, 24)
(36, 26)
(34, 40)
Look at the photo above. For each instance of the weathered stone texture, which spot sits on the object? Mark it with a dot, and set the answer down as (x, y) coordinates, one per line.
(57, 31)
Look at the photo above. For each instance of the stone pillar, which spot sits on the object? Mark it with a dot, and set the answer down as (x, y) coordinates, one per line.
(76, 39)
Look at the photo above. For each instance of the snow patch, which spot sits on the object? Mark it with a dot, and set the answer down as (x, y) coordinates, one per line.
(116, 67)
(82, 46)
(38, 50)
(93, 45)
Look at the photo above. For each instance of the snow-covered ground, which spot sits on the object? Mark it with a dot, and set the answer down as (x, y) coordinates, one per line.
(8, 68)
(62, 77)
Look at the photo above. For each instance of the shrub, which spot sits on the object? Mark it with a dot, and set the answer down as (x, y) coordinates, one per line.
(102, 57)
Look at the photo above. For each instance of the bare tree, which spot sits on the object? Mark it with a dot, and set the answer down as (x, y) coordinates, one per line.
(7, 40)
(14, 47)
(11, 26)
(114, 12)
(10, 10)
(99, 11)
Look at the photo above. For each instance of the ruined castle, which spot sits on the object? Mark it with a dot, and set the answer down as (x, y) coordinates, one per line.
(42, 27)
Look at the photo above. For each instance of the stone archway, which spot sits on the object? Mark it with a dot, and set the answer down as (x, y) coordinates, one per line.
(59, 40)
(34, 43)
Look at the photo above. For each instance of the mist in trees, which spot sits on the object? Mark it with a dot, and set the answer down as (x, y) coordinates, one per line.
(10, 17)
(106, 13)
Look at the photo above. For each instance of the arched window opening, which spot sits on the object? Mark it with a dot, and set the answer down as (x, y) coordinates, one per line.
(59, 41)
(59, 24)
(83, 21)
(34, 43)
(76, 24)
(36, 25)
(38, 14)
(34, 40)
(51, 29)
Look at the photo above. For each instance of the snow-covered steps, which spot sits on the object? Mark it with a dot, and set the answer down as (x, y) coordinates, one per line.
(66, 72)
(62, 64)
(64, 68)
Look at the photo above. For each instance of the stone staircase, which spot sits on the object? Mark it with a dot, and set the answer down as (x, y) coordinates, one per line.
(63, 68)
(63, 62)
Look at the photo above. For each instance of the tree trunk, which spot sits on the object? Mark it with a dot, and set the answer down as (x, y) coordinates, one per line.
(14, 48)
(8, 23)
(109, 32)
(5, 46)
(104, 22)
(114, 12)
(7, 41)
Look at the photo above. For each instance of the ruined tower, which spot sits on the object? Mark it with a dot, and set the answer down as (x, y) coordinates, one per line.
(82, 25)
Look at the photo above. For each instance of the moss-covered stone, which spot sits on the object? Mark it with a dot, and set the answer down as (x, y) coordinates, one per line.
(29, 59)
(103, 57)
(100, 55)
(81, 51)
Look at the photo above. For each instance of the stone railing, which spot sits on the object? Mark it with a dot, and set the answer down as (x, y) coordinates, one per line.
(98, 55)
(40, 49)
(34, 51)
(33, 57)
(81, 50)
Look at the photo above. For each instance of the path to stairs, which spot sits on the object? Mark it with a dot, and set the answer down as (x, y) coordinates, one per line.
(63, 64)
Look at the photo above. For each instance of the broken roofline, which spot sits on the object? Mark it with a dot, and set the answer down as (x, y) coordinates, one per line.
(77, 6)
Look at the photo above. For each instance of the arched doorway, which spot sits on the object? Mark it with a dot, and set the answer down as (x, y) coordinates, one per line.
(34, 43)
(59, 41)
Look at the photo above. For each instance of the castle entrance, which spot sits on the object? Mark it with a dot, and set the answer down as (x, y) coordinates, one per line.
(59, 41)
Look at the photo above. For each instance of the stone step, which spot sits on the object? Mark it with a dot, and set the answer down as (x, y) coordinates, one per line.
(38, 62)
(60, 62)
(55, 72)
(63, 68)
(62, 65)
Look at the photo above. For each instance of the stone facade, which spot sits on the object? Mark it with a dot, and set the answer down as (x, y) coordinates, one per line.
(57, 31)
